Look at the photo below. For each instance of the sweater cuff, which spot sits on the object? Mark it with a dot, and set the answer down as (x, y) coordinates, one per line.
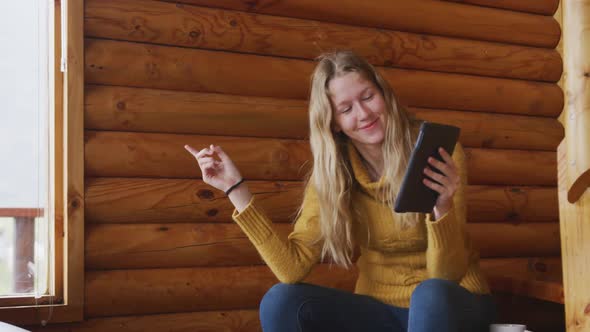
(443, 230)
(253, 222)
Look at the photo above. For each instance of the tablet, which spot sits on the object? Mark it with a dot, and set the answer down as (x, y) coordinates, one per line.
(414, 195)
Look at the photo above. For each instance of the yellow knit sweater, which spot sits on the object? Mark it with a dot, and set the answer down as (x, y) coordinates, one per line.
(392, 261)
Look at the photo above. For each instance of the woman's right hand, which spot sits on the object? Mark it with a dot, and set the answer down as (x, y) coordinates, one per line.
(220, 174)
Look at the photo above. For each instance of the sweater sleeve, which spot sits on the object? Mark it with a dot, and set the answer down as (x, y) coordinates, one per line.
(447, 254)
(289, 258)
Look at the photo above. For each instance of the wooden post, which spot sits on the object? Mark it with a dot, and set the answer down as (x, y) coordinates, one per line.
(23, 254)
(576, 43)
(574, 164)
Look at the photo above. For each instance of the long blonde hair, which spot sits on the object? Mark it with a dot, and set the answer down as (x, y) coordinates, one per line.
(331, 174)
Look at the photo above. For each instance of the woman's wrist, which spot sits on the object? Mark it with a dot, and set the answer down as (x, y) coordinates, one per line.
(232, 187)
(240, 196)
(437, 213)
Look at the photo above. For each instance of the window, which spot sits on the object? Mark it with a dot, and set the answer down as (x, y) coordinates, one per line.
(25, 220)
(41, 170)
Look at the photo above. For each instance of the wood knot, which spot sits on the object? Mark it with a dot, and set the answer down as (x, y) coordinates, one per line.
(515, 190)
(75, 203)
(540, 267)
(233, 22)
(388, 63)
(212, 212)
(205, 194)
(152, 69)
(586, 74)
(487, 143)
(194, 34)
(121, 105)
(163, 229)
(252, 4)
(512, 216)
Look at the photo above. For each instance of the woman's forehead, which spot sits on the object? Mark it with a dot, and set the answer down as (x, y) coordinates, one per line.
(347, 86)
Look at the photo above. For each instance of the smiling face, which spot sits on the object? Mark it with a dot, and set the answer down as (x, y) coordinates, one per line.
(358, 109)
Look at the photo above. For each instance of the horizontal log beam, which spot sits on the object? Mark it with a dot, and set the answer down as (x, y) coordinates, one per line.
(190, 245)
(425, 16)
(542, 7)
(134, 292)
(507, 240)
(126, 154)
(132, 200)
(110, 62)
(130, 292)
(146, 110)
(513, 167)
(511, 204)
(537, 268)
(538, 278)
(163, 155)
(498, 131)
(546, 290)
(170, 246)
(129, 200)
(149, 110)
(225, 30)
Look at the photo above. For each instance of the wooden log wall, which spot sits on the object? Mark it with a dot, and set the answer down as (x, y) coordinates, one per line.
(161, 248)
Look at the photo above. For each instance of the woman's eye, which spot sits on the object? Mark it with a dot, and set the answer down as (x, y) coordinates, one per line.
(368, 97)
(346, 110)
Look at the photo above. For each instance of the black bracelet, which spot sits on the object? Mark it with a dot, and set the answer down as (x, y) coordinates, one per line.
(233, 187)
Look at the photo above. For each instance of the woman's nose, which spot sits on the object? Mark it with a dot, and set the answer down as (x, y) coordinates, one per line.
(363, 111)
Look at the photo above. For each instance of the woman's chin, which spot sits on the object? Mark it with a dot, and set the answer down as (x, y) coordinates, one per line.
(371, 140)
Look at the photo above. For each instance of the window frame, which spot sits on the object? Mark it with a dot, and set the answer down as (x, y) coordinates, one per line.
(68, 172)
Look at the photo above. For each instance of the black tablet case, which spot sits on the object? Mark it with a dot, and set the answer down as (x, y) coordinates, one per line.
(414, 195)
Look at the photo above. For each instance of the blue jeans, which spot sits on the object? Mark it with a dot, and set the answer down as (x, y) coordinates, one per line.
(436, 305)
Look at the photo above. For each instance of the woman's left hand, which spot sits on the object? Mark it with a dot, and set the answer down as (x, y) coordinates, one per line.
(447, 185)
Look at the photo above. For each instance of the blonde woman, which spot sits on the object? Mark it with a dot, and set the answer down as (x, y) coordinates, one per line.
(417, 272)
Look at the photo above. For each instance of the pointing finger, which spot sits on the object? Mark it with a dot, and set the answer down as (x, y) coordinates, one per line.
(190, 149)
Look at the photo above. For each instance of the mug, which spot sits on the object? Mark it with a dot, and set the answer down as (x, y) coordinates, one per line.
(508, 328)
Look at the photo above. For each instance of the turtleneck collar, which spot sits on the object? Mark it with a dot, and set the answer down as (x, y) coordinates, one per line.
(361, 173)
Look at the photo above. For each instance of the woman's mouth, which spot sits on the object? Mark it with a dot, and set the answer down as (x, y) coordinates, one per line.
(371, 125)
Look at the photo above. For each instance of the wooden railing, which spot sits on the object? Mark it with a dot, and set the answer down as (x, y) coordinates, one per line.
(24, 246)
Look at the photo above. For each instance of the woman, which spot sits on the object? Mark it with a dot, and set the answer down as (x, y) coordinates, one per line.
(417, 272)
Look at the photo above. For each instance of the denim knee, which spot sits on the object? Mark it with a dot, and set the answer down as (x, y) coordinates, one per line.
(280, 300)
(433, 293)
